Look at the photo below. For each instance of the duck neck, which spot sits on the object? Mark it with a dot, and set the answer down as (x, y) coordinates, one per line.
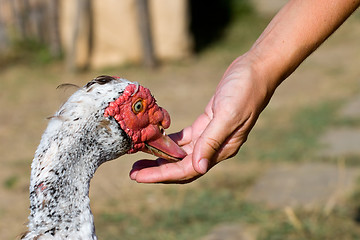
(59, 189)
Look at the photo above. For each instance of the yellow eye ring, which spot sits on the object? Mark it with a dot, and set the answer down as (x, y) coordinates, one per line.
(138, 106)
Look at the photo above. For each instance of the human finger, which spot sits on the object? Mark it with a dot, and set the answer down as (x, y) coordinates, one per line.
(209, 143)
(163, 171)
(182, 137)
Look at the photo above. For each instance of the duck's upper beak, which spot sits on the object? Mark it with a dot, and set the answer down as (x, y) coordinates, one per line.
(164, 147)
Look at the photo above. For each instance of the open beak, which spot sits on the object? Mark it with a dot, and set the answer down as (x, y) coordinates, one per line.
(164, 147)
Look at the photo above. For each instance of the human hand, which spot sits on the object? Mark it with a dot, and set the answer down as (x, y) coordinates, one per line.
(219, 132)
(246, 87)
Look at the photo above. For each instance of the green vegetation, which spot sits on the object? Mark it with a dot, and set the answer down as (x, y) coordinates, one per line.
(203, 209)
(296, 138)
(26, 52)
(11, 181)
(199, 211)
(238, 36)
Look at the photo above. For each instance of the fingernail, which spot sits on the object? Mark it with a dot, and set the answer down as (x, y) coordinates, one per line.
(133, 174)
(203, 165)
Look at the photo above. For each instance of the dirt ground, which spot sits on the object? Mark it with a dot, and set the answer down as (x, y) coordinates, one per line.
(28, 95)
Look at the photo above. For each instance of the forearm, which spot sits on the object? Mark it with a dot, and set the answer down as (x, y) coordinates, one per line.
(294, 33)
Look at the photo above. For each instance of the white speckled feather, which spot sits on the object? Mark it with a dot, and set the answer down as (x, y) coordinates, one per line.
(77, 140)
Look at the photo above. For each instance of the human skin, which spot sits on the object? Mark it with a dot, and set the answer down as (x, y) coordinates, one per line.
(246, 87)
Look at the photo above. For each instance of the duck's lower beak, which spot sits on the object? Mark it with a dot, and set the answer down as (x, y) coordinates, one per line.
(164, 147)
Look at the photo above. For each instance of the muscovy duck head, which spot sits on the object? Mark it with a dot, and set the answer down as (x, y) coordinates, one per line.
(136, 112)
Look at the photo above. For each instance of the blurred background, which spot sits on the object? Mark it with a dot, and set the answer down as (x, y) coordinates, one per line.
(295, 178)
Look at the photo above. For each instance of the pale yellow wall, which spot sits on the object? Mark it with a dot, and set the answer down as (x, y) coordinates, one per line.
(116, 35)
(171, 28)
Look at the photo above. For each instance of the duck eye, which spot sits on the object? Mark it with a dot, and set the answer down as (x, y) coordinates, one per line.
(138, 106)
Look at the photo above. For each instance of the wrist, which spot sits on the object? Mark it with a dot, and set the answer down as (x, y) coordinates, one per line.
(264, 72)
(250, 75)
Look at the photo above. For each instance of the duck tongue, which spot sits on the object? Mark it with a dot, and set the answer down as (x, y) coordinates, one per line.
(164, 147)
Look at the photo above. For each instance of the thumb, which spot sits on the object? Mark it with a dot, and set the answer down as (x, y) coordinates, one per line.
(209, 143)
